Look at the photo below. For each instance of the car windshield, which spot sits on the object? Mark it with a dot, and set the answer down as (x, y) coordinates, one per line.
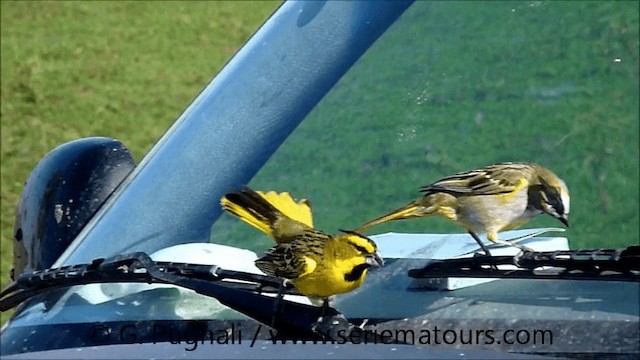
(447, 87)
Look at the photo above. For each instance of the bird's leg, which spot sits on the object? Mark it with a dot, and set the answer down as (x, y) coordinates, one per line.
(276, 304)
(321, 325)
(482, 246)
(325, 306)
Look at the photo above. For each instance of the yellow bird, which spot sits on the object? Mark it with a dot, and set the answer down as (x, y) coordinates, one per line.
(489, 200)
(317, 264)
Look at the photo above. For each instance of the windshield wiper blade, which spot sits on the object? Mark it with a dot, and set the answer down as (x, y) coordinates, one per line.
(598, 264)
(293, 319)
(135, 267)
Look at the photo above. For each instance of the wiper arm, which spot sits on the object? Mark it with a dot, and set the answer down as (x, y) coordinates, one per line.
(602, 264)
(135, 267)
(292, 318)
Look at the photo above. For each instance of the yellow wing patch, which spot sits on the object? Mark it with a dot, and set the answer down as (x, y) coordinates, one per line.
(296, 210)
(506, 197)
(310, 266)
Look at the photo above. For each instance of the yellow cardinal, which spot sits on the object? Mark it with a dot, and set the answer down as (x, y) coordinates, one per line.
(317, 264)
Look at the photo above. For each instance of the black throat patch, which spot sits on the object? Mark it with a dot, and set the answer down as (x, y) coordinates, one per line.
(356, 272)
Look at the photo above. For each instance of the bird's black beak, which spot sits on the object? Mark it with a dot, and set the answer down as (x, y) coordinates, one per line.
(374, 260)
(563, 219)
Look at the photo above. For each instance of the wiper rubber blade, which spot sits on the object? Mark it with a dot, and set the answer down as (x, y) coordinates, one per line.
(598, 264)
(293, 319)
(134, 267)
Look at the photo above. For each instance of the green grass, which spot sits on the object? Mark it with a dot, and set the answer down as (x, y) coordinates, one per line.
(118, 69)
(451, 87)
(455, 86)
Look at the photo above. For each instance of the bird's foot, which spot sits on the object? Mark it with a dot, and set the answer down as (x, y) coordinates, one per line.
(332, 327)
(516, 258)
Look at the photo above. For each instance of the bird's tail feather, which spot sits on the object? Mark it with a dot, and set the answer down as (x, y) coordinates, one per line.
(297, 210)
(261, 210)
(408, 211)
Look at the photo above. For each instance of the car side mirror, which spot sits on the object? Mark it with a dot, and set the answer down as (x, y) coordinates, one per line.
(62, 194)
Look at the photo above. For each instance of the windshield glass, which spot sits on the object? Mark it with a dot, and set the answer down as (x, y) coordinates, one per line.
(456, 86)
(448, 87)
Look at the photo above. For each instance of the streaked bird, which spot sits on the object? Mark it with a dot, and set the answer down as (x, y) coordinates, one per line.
(488, 200)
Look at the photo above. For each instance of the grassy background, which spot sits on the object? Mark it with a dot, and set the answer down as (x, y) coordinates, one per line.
(119, 69)
(477, 84)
